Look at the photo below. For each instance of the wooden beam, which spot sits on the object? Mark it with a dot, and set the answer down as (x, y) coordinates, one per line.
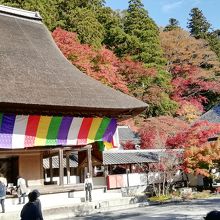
(68, 166)
(32, 150)
(89, 159)
(51, 168)
(61, 172)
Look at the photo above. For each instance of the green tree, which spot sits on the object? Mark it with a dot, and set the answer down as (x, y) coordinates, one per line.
(198, 24)
(84, 22)
(114, 36)
(144, 34)
(214, 42)
(173, 24)
(47, 8)
(200, 28)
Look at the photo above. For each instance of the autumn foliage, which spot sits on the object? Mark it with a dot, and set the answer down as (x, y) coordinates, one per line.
(187, 86)
(181, 48)
(102, 64)
(199, 153)
(129, 145)
(156, 130)
(191, 86)
(194, 67)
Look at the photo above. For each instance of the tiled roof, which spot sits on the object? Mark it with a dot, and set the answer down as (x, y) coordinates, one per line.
(55, 162)
(129, 157)
(126, 134)
(213, 115)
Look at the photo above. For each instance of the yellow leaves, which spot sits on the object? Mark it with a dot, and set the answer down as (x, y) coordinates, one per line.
(181, 48)
(189, 112)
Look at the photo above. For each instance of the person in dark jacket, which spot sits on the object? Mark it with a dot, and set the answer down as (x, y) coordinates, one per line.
(30, 210)
(213, 215)
(38, 202)
(2, 195)
(88, 186)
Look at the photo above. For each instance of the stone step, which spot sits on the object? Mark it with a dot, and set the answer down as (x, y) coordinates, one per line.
(88, 208)
(57, 199)
(58, 206)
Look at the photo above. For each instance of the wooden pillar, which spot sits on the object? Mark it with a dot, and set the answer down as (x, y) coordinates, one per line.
(61, 172)
(68, 166)
(89, 159)
(51, 168)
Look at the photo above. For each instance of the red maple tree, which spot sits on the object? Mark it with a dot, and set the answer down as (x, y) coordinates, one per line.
(199, 152)
(191, 85)
(155, 131)
(102, 65)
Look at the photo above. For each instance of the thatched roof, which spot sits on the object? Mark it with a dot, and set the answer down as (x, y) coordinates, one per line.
(35, 77)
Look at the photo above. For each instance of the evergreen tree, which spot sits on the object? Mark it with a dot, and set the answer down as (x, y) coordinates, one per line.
(144, 34)
(200, 28)
(173, 24)
(83, 21)
(47, 9)
(214, 42)
(115, 37)
(197, 24)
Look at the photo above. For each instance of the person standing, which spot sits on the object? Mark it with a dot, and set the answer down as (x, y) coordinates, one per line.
(88, 186)
(3, 179)
(22, 189)
(38, 202)
(2, 195)
(30, 211)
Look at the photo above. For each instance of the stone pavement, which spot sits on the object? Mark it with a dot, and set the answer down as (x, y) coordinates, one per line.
(188, 210)
(61, 205)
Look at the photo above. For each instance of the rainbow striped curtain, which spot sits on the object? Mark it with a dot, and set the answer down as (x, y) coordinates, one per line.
(24, 131)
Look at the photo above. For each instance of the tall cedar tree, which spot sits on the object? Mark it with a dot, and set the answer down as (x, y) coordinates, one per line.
(197, 24)
(200, 28)
(115, 37)
(173, 24)
(80, 17)
(145, 45)
(84, 22)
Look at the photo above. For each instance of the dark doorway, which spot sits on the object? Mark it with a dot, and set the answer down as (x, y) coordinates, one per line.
(9, 168)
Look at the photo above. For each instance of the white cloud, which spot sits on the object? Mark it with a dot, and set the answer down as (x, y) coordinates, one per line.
(196, 2)
(172, 5)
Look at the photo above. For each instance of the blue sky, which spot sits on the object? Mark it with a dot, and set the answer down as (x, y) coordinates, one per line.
(162, 10)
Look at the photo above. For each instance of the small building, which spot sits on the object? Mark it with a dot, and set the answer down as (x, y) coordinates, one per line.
(123, 167)
(125, 135)
(213, 115)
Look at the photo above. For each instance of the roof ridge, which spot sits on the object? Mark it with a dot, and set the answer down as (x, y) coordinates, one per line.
(34, 15)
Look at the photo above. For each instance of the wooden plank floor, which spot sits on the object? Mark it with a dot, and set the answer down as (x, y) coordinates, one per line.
(50, 189)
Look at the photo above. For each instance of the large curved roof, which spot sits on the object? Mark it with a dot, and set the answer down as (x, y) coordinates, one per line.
(35, 77)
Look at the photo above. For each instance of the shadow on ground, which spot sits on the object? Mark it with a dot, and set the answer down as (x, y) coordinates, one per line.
(193, 210)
